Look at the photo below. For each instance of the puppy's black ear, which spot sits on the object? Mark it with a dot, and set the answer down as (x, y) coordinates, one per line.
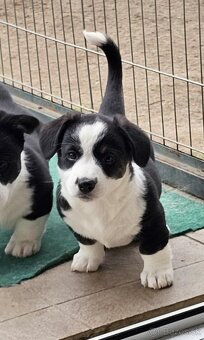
(22, 123)
(51, 134)
(137, 141)
(26, 124)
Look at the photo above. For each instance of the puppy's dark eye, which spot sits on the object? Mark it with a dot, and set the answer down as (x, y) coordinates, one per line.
(109, 159)
(72, 155)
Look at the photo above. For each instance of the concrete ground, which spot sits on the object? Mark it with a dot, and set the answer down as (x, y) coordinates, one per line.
(60, 304)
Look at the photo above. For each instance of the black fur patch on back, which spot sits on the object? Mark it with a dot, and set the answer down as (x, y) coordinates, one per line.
(10, 156)
(18, 132)
(41, 183)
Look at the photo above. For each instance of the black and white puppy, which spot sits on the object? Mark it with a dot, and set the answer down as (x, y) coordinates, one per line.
(109, 186)
(25, 182)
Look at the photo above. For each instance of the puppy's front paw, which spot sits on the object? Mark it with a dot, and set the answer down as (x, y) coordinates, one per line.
(82, 263)
(89, 258)
(158, 271)
(22, 248)
(159, 279)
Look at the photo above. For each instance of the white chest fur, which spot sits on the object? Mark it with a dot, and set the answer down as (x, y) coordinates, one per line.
(112, 220)
(15, 198)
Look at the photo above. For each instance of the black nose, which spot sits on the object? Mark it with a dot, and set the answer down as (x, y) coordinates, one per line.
(86, 185)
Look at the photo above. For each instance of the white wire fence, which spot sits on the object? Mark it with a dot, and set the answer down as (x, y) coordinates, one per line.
(42, 51)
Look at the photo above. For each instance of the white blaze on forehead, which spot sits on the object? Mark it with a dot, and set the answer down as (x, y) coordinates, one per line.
(89, 135)
(86, 165)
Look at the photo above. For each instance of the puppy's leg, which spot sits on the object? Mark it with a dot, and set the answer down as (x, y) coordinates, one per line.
(156, 252)
(158, 271)
(26, 239)
(88, 258)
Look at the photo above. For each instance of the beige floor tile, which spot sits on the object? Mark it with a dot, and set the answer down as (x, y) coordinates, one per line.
(60, 284)
(19, 300)
(47, 324)
(121, 266)
(108, 299)
(186, 251)
(197, 235)
(120, 306)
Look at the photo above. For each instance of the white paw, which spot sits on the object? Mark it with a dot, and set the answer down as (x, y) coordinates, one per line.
(22, 248)
(82, 263)
(159, 279)
(88, 258)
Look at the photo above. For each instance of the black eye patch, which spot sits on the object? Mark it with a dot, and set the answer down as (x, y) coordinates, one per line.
(70, 153)
(111, 156)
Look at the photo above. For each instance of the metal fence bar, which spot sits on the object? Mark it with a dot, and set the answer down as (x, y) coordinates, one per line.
(201, 58)
(75, 53)
(116, 23)
(36, 45)
(46, 46)
(41, 92)
(43, 53)
(87, 57)
(158, 60)
(88, 110)
(104, 15)
(190, 81)
(98, 60)
(146, 69)
(18, 43)
(8, 37)
(132, 59)
(172, 68)
(187, 84)
(173, 141)
(56, 49)
(66, 52)
(27, 45)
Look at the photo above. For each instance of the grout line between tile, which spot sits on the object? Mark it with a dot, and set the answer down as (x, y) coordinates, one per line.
(31, 312)
(96, 292)
(99, 291)
(120, 285)
(69, 300)
(198, 241)
(188, 265)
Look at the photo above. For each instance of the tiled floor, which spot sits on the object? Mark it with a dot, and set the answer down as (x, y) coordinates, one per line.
(59, 304)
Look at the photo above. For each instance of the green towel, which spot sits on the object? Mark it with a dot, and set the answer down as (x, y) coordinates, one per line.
(58, 245)
(183, 212)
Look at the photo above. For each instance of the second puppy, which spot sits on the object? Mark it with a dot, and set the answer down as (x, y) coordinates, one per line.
(25, 182)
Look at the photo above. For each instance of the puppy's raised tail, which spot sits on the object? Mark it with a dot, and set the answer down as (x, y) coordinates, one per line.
(113, 100)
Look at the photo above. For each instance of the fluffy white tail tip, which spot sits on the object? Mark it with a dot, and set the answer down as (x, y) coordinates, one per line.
(95, 38)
